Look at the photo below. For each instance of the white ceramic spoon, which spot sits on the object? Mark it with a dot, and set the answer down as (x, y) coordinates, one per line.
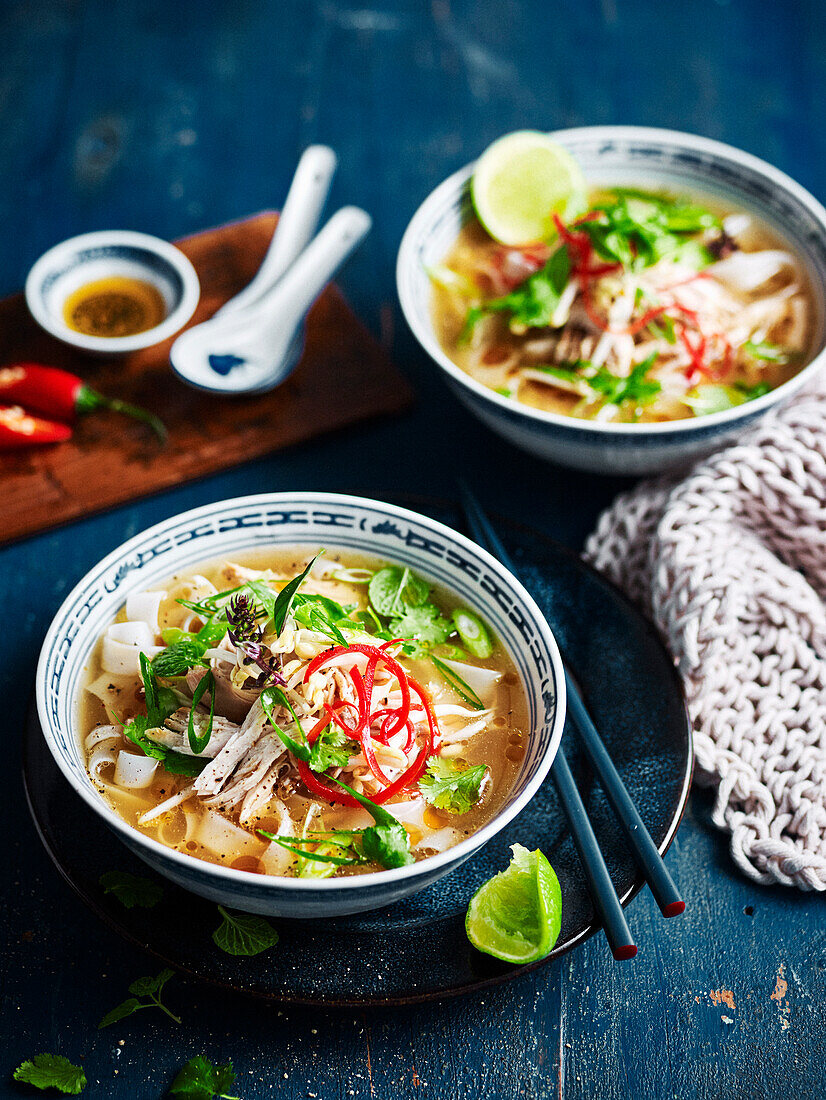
(296, 224)
(255, 349)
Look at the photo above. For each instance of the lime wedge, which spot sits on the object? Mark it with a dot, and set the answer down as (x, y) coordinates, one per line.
(516, 915)
(520, 182)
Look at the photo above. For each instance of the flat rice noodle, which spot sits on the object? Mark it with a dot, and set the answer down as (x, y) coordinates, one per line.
(144, 607)
(222, 837)
(134, 772)
(481, 680)
(122, 646)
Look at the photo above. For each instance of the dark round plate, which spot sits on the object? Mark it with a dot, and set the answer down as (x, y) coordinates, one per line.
(416, 950)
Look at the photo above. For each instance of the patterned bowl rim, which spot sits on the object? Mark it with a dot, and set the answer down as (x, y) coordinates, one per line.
(454, 187)
(168, 253)
(227, 875)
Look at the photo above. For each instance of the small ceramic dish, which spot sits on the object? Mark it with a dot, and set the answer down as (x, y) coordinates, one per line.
(75, 263)
(311, 519)
(652, 159)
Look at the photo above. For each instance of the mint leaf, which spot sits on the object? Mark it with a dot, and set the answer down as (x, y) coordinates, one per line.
(387, 845)
(177, 659)
(120, 1012)
(396, 588)
(450, 786)
(131, 890)
(149, 990)
(243, 933)
(201, 1080)
(149, 986)
(52, 1071)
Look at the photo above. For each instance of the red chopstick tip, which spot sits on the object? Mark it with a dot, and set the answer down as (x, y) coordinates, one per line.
(674, 908)
(627, 951)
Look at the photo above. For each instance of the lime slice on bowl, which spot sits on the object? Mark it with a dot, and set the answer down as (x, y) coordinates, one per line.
(520, 182)
(516, 915)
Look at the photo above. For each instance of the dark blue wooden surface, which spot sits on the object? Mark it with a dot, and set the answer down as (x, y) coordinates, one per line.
(168, 117)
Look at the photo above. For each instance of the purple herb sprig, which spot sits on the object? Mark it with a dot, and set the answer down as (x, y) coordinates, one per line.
(245, 633)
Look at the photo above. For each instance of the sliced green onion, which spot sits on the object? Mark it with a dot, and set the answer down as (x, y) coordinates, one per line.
(196, 743)
(473, 633)
(462, 689)
(353, 576)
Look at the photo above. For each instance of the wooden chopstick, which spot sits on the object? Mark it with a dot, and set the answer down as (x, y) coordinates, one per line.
(639, 839)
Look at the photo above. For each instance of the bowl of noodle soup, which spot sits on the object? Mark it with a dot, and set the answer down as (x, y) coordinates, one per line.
(229, 689)
(641, 365)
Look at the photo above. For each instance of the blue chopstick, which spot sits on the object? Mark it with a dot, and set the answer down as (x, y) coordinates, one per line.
(645, 850)
(600, 886)
(604, 896)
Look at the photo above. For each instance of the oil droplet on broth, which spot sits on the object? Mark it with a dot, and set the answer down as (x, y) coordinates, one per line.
(248, 863)
(115, 306)
(434, 818)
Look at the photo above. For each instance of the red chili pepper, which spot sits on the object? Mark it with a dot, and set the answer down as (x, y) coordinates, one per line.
(394, 721)
(376, 654)
(20, 429)
(61, 394)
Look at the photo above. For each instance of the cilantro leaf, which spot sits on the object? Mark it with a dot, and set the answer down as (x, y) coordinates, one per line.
(533, 303)
(614, 389)
(424, 624)
(636, 229)
(201, 1080)
(52, 1071)
(751, 393)
(394, 589)
(131, 890)
(146, 993)
(243, 933)
(635, 388)
(331, 749)
(449, 786)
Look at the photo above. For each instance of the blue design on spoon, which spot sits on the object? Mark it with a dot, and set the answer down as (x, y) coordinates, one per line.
(223, 364)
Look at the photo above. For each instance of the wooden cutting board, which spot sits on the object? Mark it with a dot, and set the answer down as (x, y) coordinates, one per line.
(344, 376)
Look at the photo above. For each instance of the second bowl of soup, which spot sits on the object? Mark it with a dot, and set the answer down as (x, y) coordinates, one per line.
(302, 704)
(682, 299)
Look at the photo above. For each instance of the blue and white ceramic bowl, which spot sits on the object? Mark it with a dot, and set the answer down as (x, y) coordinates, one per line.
(314, 519)
(629, 155)
(80, 260)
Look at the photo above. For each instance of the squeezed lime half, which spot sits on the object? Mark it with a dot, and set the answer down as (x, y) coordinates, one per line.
(520, 182)
(516, 915)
